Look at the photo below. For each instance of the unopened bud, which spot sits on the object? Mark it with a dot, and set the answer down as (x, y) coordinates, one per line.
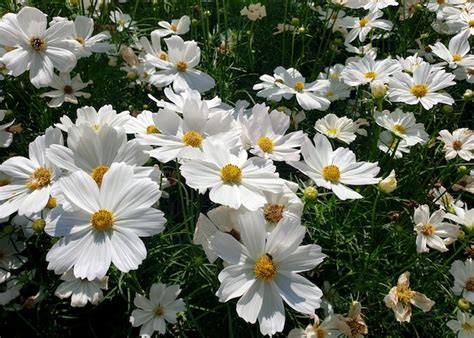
(388, 184)
(310, 193)
(463, 304)
(378, 89)
(38, 225)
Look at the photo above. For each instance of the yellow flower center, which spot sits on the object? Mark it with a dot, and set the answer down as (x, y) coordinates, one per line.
(79, 39)
(98, 173)
(331, 173)
(193, 138)
(470, 284)
(4, 182)
(102, 220)
(273, 212)
(38, 44)
(467, 327)
(398, 128)
(363, 22)
(68, 89)
(163, 56)
(151, 129)
(230, 173)
(428, 229)
(457, 57)
(357, 328)
(52, 203)
(329, 94)
(158, 311)
(320, 333)
(370, 75)
(41, 177)
(404, 294)
(173, 27)
(419, 90)
(471, 23)
(181, 66)
(457, 145)
(470, 71)
(299, 86)
(265, 268)
(332, 132)
(266, 144)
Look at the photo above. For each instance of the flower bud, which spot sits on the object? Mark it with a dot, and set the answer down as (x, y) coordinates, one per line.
(468, 94)
(388, 184)
(132, 76)
(463, 304)
(113, 61)
(447, 109)
(462, 169)
(301, 30)
(310, 193)
(38, 225)
(378, 89)
(8, 229)
(295, 21)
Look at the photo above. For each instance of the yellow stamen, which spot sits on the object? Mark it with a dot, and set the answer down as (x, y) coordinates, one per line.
(419, 90)
(398, 128)
(181, 66)
(363, 22)
(158, 311)
(98, 173)
(80, 40)
(266, 144)
(52, 203)
(273, 213)
(38, 44)
(428, 229)
(151, 129)
(192, 138)
(331, 173)
(163, 56)
(457, 57)
(102, 220)
(404, 294)
(332, 131)
(230, 173)
(299, 86)
(470, 284)
(370, 75)
(173, 27)
(265, 268)
(41, 177)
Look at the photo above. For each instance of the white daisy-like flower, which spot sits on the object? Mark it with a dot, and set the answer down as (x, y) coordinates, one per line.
(82, 33)
(403, 125)
(222, 219)
(263, 271)
(233, 180)
(152, 48)
(371, 5)
(36, 48)
(360, 27)
(422, 88)
(122, 20)
(391, 144)
(465, 73)
(271, 86)
(31, 179)
(337, 90)
(144, 123)
(6, 137)
(410, 63)
(330, 327)
(66, 89)
(95, 119)
(432, 231)
(10, 257)
(254, 12)
(463, 327)
(462, 23)
(103, 226)
(177, 26)
(340, 128)
(267, 138)
(457, 53)
(334, 169)
(179, 69)
(152, 314)
(463, 273)
(445, 200)
(182, 137)
(355, 324)
(463, 217)
(459, 143)
(367, 70)
(81, 291)
(401, 298)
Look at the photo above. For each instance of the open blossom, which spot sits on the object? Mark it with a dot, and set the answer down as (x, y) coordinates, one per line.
(463, 273)
(6, 137)
(423, 87)
(103, 225)
(178, 68)
(459, 143)
(401, 298)
(263, 271)
(334, 169)
(355, 324)
(152, 314)
(360, 27)
(331, 326)
(340, 128)
(81, 291)
(66, 89)
(463, 327)
(82, 33)
(389, 143)
(457, 52)
(371, 5)
(36, 48)
(178, 26)
(254, 12)
(122, 20)
(368, 69)
(432, 231)
(403, 125)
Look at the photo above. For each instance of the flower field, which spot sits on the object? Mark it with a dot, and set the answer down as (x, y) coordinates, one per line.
(223, 168)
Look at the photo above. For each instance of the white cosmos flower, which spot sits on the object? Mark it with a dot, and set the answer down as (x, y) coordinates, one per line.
(403, 125)
(233, 180)
(463, 327)
(123, 21)
(422, 88)
(465, 73)
(6, 137)
(266, 133)
(330, 327)
(463, 273)
(179, 70)
(10, 257)
(104, 224)
(152, 314)
(153, 47)
(432, 231)
(462, 23)
(31, 178)
(367, 70)
(36, 48)
(82, 33)
(463, 217)
(360, 27)
(95, 152)
(457, 53)
(410, 63)
(371, 5)
(222, 219)
(182, 138)
(95, 119)
(177, 26)
(66, 89)
(445, 200)
(459, 143)
(340, 128)
(144, 123)
(81, 291)
(390, 143)
(263, 271)
(337, 90)
(334, 169)
(271, 86)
